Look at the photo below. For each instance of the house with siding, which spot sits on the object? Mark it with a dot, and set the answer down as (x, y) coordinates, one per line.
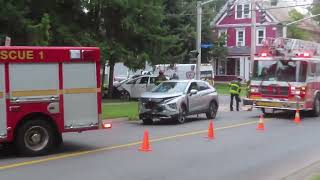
(236, 25)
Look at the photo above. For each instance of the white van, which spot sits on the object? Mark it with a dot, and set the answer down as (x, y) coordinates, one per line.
(185, 71)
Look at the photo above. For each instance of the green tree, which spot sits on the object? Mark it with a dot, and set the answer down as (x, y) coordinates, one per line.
(39, 34)
(315, 9)
(293, 30)
(131, 30)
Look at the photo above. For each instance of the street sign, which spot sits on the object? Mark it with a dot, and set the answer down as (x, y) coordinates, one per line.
(206, 46)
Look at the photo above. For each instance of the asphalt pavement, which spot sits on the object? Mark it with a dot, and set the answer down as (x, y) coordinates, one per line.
(238, 151)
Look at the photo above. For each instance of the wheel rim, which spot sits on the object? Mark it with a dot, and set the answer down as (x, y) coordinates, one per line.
(212, 110)
(36, 138)
(182, 116)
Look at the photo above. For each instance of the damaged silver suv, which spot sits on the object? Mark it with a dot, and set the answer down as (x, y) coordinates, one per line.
(177, 99)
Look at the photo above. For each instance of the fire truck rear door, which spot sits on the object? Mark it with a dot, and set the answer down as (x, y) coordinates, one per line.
(3, 112)
(80, 97)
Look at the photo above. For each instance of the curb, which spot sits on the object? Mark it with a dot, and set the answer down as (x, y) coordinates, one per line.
(116, 119)
(306, 173)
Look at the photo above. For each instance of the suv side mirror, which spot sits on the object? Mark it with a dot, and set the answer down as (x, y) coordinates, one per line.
(193, 91)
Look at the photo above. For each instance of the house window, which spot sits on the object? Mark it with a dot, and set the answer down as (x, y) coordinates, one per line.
(243, 11)
(237, 66)
(240, 37)
(222, 67)
(261, 35)
(223, 33)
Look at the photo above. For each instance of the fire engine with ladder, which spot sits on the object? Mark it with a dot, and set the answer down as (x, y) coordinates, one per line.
(46, 91)
(286, 76)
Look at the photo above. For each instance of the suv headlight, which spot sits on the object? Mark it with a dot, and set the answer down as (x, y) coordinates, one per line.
(173, 105)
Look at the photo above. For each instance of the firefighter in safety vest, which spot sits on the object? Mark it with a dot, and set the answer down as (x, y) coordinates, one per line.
(235, 89)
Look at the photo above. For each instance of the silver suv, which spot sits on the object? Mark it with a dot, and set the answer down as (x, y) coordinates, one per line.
(177, 99)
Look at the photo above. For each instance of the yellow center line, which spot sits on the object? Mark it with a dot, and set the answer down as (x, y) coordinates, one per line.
(75, 154)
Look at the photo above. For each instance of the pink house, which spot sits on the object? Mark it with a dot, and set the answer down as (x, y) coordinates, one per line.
(237, 26)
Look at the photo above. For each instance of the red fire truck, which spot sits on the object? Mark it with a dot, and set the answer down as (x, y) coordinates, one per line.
(286, 76)
(46, 91)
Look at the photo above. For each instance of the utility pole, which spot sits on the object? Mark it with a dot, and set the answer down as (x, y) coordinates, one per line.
(199, 21)
(285, 26)
(253, 32)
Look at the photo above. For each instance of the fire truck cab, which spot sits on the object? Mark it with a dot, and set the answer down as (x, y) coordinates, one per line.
(286, 76)
(46, 91)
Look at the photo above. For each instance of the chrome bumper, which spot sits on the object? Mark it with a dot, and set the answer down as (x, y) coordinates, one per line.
(275, 104)
(160, 113)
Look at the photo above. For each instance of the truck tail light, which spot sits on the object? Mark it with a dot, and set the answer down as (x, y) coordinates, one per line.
(106, 125)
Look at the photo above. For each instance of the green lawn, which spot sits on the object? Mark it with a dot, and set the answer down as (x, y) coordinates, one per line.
(316, 178)
(223, 88)
(112, 110)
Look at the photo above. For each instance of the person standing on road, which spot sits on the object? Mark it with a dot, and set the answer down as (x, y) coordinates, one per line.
(161, 77)
(235, 89)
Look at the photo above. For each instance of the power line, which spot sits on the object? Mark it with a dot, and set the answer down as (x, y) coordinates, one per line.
(283, 7)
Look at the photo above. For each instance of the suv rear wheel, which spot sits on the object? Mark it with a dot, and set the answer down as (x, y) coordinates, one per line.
(212, 111)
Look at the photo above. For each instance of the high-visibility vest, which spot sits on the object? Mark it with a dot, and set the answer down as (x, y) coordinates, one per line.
(235, 88)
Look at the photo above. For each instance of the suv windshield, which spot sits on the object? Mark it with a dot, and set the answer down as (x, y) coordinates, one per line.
(171, 87)
(281, 70)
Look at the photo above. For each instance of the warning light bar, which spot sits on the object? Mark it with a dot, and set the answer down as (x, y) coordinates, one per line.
(304, 55)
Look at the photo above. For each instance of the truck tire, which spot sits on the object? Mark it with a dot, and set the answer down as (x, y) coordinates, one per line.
(35, 137)
(316, 106)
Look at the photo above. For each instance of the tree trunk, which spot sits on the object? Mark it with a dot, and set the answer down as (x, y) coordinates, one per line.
(111, 72)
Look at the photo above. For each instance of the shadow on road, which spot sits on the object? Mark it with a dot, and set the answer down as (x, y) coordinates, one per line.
(9, 152)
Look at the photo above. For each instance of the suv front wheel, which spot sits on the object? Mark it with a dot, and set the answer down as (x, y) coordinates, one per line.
(182, 115)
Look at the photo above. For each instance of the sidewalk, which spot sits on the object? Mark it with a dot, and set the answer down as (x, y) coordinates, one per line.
(307, 173)
(224, 103)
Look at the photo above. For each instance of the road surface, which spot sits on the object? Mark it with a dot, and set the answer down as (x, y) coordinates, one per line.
(178, 151)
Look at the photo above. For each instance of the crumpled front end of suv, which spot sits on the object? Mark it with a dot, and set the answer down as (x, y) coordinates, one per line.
(160, 107)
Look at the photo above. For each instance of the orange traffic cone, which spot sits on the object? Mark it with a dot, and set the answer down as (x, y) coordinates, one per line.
(145, 146)
(261, 124)
(297, 118)
(211, 130)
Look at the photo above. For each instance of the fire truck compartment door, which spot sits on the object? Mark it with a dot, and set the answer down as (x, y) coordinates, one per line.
(80, 97)
(3, 113)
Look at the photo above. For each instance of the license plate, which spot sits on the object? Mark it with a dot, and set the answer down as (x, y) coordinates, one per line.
(269, 104)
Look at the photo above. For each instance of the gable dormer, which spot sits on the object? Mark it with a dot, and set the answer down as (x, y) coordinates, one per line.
(239, 12)
(242, 10)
